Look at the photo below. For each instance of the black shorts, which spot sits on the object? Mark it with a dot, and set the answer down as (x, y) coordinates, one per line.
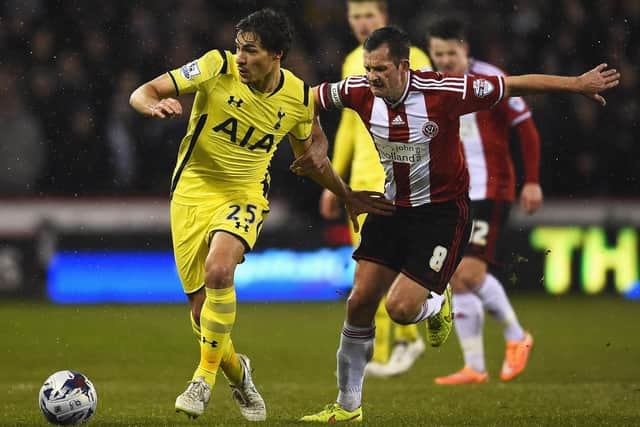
(425, 242)
(489, 219)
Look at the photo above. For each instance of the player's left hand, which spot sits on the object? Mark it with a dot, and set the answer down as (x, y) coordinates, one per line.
(599, 79)
(531, 197)
(358, 202)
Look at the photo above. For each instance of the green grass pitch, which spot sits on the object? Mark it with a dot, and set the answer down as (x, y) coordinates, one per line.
(584, 370)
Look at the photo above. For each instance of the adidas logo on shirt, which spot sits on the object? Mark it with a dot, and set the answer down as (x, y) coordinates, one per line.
(397, 121)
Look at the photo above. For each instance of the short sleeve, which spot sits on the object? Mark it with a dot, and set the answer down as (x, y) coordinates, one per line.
(516, 110)
(478, 93)
(302, 129)
(346, 93)
(190, 77)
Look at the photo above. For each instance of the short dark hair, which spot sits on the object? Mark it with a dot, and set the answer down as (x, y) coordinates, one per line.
(382, 4)
(447, 28)
(273, 28)
(397, 40)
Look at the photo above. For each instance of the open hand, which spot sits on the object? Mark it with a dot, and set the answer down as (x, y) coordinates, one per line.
(599, 79)
(373, 202)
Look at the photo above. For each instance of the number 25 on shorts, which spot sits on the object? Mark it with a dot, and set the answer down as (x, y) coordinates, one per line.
(240, 216)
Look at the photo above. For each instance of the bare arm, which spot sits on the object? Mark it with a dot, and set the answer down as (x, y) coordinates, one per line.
(315, 157)
(589, 84)
(328, 177)
(153, 98)
(357, 202)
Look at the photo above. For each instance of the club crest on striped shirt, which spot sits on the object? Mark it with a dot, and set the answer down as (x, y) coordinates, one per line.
(430, 129)
(482, 88)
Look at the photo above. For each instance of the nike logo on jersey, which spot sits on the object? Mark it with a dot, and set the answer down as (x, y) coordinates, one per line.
(397, 121)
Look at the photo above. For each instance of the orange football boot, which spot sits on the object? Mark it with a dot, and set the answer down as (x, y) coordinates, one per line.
(516, 357)
(465, 375)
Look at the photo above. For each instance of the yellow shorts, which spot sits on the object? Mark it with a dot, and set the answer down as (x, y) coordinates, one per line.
(372, 184)
(193, 226)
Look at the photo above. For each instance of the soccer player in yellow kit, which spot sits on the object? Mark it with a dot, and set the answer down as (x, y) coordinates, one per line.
(245, 104)
(354, 150)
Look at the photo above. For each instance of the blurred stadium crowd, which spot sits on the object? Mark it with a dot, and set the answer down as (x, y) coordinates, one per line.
(67, 69)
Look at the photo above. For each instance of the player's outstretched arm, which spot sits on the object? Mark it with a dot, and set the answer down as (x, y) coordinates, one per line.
(589, 84)
(153, 98)
(357, 202)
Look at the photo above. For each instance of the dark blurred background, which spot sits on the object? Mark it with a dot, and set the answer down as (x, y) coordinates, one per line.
(67, 69)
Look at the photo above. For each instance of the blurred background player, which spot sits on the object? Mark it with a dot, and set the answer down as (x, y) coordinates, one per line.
(245, 104)
(355, 155)
(485, 137)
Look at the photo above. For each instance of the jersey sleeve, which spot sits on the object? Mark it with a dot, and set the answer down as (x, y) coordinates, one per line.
(472, 93)
(347, 93)
(302, 129)
(190, 77)
(516, 110)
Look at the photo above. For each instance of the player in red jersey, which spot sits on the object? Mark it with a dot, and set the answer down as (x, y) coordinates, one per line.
(413, 118)
(485, 137)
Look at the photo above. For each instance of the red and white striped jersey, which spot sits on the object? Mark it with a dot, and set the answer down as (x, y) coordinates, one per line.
(417, 138)
(485, 137)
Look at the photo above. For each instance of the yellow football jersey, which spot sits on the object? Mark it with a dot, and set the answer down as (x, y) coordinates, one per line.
(353, 147)
(233, 130)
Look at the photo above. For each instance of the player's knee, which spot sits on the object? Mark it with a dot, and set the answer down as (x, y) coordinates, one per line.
(359, 302)
(218, 276)
(466, 279)
(402, 312)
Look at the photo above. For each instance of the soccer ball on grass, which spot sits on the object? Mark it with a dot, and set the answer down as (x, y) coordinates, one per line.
(67, 398)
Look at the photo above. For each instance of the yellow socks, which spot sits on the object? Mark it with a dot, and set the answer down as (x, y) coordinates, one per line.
(407, 333)
(231, 366)
(383, 334)
(216, 322)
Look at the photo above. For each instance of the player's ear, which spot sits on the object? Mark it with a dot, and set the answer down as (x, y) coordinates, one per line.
(277, 55)
(404, 65)
(465, 47)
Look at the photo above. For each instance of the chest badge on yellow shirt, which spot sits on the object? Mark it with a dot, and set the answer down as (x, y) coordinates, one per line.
(281, 114)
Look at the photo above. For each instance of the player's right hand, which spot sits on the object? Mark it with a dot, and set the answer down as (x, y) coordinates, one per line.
(373, 202)
(167, 107)
(329, 205)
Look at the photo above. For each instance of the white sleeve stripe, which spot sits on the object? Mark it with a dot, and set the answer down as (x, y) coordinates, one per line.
(521, 118)
(458, 85)
(443, 88)
(464, 89)
(445, 79)
(501, 92)
(321, 91)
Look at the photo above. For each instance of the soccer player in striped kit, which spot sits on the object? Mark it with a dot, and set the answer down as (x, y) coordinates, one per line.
(413, 118)
(485, 137)
(355, 155)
